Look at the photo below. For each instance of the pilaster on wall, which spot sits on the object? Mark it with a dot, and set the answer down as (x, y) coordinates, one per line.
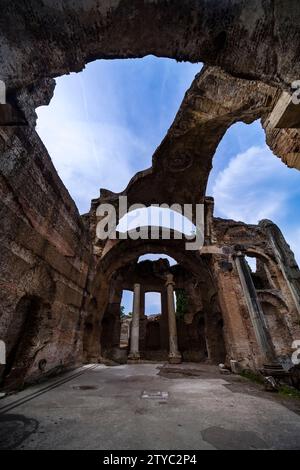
(209, 205)
(285, 259)
(238, 335)
(255, 311)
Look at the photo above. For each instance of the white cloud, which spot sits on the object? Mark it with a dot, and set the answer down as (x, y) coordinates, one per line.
(256, 185)
(103, 124)
(94, 135)
(89, 155)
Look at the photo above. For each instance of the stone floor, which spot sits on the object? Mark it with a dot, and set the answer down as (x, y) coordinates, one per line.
(99, 407)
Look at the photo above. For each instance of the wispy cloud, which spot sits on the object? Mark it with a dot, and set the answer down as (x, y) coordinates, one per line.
(88, 156)
(104, 124)
(256, 185)
(243, 191)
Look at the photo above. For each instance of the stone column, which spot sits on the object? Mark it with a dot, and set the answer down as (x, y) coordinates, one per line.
(163, 324)
(143, 320)
(135, 324)
(255, 311)
(174, 354)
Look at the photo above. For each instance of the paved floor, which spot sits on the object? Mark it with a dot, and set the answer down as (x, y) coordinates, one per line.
(99, 407)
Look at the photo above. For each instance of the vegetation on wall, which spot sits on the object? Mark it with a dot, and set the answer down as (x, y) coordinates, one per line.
(181, 303)
(123, 314)
(122, 311)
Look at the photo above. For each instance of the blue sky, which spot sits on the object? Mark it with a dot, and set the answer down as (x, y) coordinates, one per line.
(104, 124)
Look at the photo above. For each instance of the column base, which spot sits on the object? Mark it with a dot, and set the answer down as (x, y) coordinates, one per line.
(133, 358)
(175, 358)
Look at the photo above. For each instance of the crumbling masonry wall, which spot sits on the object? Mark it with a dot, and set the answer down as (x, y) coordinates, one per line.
(44, 260)
(279, 298)
(54, 283)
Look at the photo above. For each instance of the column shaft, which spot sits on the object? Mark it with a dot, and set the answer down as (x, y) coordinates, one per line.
(174, 354)
(135, 324)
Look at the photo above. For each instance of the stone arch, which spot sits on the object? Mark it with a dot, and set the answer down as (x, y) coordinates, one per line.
(187, 30)
(275, 312)
(191, 30)
(30, 328)
(276, 277)
(183, 31)
(37, 281)
(33, 334)
(123, 252)
(268, 274)
(214, 102)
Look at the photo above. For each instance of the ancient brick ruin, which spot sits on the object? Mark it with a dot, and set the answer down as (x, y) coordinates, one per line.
(60, 286)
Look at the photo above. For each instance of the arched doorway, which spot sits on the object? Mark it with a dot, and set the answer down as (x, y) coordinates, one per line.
(30, 337)
(122, 269)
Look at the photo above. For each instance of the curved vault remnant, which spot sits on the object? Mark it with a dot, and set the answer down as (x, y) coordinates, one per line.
(228, 292)
(257, 39)
(251, 56)
(182, 162)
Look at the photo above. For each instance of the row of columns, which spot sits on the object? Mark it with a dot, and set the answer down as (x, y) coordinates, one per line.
(256, 314)
(174, 354)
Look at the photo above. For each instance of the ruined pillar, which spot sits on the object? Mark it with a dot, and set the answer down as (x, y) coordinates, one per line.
(255, 311)
(135, 324)
(285, 259)
(164, 324)
(174, 354)
(142, 320)
(208, 226)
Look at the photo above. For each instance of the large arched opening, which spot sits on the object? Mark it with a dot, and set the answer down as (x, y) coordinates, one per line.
(29, 339)
(198, 313)
(41, 220)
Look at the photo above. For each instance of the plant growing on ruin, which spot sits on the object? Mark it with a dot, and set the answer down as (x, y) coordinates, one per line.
(181, 303)
(122, 311)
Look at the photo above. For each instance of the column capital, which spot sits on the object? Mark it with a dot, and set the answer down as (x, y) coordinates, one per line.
(170, 280)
